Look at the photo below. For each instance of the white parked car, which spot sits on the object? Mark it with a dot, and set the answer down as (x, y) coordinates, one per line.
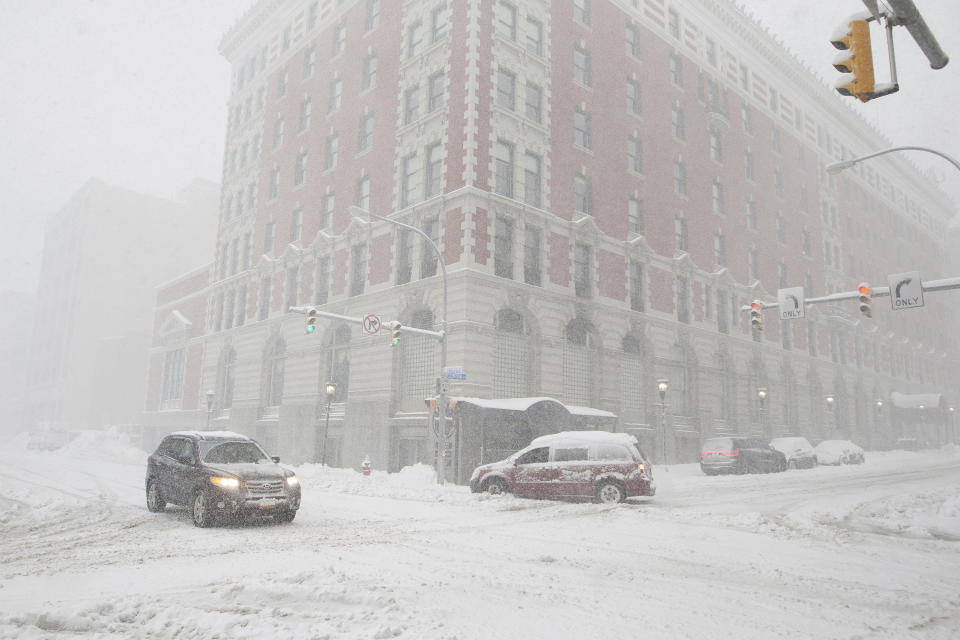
(839, 452)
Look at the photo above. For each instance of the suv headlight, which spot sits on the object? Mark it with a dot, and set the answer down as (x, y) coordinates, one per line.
(225, 482)
(292, 481)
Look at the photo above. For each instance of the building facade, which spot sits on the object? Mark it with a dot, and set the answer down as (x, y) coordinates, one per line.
(104, 254)
(604, 206)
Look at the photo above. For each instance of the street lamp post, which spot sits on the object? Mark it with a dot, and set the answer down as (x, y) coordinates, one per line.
(831, 416)
(762, 396)
(662, 385)
(953, 426)
(209, 395)
(879, 420)
(331, 390)
(837, 167)
(442, 399)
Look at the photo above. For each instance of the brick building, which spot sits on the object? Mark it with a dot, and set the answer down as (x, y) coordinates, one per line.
(609, 182)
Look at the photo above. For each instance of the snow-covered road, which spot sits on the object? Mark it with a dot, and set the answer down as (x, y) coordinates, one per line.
(867, 551)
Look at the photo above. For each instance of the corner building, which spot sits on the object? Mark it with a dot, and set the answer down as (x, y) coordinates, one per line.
(609, 183)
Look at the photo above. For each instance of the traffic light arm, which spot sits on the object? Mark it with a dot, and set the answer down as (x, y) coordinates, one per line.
(944, 284)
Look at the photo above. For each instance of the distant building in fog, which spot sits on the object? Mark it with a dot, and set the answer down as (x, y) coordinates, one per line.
(104, 254)
(610, 182)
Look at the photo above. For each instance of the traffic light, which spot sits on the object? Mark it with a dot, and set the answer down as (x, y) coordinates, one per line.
(855, 60)
(396, 333)
(756, 315)
(311, 325)
(866, 297)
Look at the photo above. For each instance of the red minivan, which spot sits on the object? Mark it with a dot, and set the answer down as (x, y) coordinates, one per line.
(607, 467)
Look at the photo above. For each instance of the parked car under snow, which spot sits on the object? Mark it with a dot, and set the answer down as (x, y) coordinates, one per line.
(839, 452)
(798, 451)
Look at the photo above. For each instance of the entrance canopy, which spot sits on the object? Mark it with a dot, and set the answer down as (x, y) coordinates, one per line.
(534, 405)
(917, 400)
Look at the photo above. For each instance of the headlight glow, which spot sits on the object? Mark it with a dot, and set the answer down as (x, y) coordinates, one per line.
(292, 480)
(226, 483)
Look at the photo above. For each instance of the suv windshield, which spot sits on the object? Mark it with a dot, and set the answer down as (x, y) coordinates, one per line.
(232, 452)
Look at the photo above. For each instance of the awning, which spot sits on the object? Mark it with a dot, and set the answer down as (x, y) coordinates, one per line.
(916, 400)
(523, 404)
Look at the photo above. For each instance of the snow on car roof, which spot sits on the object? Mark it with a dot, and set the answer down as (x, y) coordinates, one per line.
(212, 435)
(581, 437)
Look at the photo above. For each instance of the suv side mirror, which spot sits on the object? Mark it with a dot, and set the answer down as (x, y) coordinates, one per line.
(275, 458)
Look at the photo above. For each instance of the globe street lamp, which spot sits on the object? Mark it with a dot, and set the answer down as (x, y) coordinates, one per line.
(879, 404)
(331, 390)
(209, 395)
(830, 400)
(662, 385)
(762, 396)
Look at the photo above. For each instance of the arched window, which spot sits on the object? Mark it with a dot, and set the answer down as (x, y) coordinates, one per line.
(419, 362)
(273, 366)
(228, 366)
(579, 363)
(631, 378)
(339, 366)
(512, 357)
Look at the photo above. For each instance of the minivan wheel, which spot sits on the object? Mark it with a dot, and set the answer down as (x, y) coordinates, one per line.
(155, 503)
(496, 486)
(610, 492)
(202, 515)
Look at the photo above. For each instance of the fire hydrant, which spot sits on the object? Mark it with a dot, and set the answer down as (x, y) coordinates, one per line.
(365, 466)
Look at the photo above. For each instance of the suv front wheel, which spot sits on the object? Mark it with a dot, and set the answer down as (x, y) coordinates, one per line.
(202, 514)
(610, 492)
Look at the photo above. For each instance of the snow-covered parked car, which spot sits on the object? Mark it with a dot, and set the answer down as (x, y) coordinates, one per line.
(798, 451)
(607, 467)
(220, 475)
(839, 452)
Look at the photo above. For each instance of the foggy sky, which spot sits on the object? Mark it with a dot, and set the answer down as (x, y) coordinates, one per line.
(134, 92)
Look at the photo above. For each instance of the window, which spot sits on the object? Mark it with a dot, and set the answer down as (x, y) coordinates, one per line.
(263, 305)
(404, 256)
(372, 18)
(330, 155)
(680, 233)
(782, 275)
(716, 147)
(719, 249)
(633, 41)
(282, 78)
(506, 20)
(635, 216)
(746, 117)
(711, 52)
(273, 380)
(679, 178)
(531, 179)
(435, 88)
(322, 282)
(582, 197)
(581, 11)
(581, 270)
(677, 124)
(358, 269)
(683, 299)
(365, 140)
(363, 193)
(634, 155)
(531, 255)
(636, 286)
(339, 40)
(581, 66)
(408, 180)
(581, 128)
(778, 182)
(247, 241)
(534, 36)
(285, 38)
(506, 89)
(172, 386)
(722, 315)
(275, 183)
(751, 215)
(428, 257)
(745, 78)
(438, 22)
(433, 182)
(292, 281)
(503, 248)
(326, 210)
(748, 165)
(313, 13)
(673, 23)
(411, 104)
(300, 172)
(633, 97)
(269, 237)
(309, 62)
(336, 93)
(533, 101)
(717, 191)
(296, 224)
(805, 240)
(676, 70)
(503, 154)
(277, 133)
(369, 79)
(753, 267)
(775, 140)
(414, 38)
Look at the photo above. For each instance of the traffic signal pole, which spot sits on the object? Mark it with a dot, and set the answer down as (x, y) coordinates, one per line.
(944, 284)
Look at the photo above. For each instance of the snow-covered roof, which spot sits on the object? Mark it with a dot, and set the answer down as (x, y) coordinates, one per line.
(915, 400)
(584, 437)
(523, 404)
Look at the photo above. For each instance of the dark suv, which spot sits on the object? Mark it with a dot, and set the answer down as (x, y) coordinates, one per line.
(740, 455)
(220, 475)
